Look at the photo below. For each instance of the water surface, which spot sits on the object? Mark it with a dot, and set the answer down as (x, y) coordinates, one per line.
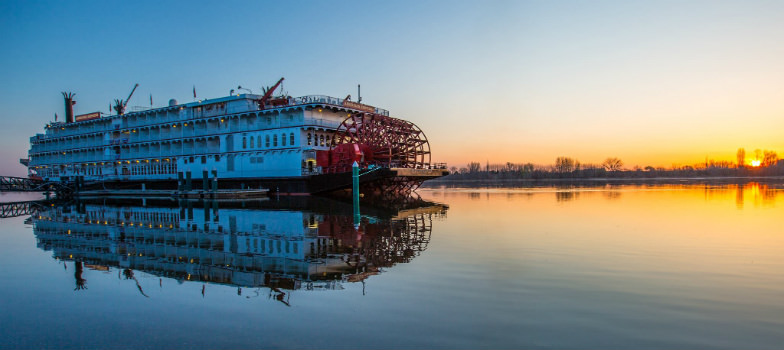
(661, 266)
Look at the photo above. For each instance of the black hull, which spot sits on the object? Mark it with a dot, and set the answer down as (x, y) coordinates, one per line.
(371, 181)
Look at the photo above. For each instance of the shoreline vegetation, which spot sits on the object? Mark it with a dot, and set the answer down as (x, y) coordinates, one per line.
(568, 170)
(592, 182)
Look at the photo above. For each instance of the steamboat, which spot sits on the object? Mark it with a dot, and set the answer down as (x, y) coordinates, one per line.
(241, 142)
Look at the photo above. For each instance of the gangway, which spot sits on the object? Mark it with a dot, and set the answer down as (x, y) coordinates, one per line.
(24, 184)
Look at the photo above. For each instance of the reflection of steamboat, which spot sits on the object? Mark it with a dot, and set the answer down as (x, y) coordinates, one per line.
(293, 244)
(242, 141)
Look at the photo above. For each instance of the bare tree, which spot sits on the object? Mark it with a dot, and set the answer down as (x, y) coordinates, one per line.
(612, 164)
(474, 167)
(564, 164)
(769, 158)
(741, 157)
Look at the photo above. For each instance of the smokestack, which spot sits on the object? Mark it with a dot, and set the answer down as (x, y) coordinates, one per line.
(69, 102)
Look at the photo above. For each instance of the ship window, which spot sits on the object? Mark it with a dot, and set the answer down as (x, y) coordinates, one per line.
(244, 142)
(217, 158)
(328, 138)
(275, 140)
(321, 140)
(203, 159)
(266, 140)
(291, 139)
(310, 141)
(251, 142)
(230, 163)
(282, 139)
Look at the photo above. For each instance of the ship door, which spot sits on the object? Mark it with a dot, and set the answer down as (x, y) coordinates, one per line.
(125, 171)
(310, 166)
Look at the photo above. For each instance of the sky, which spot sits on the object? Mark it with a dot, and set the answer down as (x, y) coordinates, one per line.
(650, 82)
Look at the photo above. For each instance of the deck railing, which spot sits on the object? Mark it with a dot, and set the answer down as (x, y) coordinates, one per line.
(329, 100)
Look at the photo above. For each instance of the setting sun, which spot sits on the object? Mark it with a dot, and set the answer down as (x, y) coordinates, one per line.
(756, 163)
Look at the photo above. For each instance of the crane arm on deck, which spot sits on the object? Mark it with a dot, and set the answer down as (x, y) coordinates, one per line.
(268, 94)
(131, 94)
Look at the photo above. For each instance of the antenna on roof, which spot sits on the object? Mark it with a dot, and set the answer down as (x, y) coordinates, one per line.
(359, 94)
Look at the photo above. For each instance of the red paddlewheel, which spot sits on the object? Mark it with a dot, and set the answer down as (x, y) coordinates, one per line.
(374, 139)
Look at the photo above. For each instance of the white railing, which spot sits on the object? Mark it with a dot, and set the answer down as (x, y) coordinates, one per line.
(329, 100)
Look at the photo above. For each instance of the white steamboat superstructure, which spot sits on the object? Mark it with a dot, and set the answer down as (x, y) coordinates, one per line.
(242, 141)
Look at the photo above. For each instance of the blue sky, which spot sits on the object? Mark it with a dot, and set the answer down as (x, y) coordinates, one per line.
(651, 82)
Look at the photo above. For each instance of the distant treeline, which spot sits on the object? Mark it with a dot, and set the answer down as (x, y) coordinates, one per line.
(567, 168)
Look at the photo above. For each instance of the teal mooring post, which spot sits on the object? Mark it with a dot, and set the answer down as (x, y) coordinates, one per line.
(355, 191)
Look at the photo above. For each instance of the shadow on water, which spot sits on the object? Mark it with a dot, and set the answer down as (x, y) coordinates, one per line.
(293, 243)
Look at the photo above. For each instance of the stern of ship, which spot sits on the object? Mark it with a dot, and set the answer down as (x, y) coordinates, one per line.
(393, 156)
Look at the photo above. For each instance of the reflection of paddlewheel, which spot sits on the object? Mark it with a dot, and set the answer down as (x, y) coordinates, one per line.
(381, 244)
(376, 141)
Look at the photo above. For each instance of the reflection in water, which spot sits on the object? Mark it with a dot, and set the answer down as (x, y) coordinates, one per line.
(565, 196)
(81, 283)
(758, 193)
(310, 244)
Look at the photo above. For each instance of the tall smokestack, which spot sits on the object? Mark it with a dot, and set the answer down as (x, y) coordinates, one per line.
(69, 102)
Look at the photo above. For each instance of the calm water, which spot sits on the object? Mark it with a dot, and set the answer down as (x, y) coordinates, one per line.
(593, 267)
